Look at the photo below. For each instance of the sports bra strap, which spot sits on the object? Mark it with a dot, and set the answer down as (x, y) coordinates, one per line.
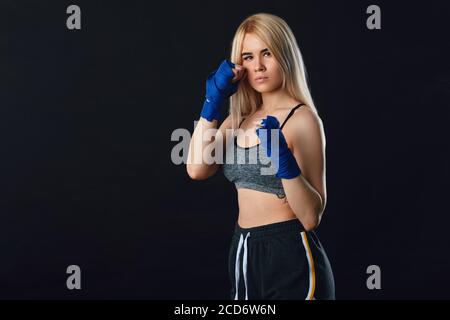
(291, 113)
(287, 118)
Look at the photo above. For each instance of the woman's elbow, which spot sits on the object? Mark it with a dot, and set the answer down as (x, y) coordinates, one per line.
(312, 221)
(314, 217)
(310, 225)
(196, 174)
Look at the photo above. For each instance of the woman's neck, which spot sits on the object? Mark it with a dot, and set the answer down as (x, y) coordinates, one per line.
(275, 99)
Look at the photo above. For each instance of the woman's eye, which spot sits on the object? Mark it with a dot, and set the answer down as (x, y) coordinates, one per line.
(248, 57)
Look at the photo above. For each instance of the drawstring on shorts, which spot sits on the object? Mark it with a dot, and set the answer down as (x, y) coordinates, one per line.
(242, 242)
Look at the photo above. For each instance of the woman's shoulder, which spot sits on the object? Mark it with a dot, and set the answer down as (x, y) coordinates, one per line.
(303, 116)
(303, 124)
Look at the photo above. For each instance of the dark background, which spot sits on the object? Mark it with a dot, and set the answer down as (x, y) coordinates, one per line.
(86, 120)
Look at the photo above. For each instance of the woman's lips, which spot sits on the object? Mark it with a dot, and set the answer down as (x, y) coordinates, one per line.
(260, 80)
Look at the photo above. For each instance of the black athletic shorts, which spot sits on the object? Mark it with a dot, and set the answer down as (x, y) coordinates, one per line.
(279, 261)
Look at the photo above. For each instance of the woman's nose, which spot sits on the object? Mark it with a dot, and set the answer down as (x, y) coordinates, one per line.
(258, 65)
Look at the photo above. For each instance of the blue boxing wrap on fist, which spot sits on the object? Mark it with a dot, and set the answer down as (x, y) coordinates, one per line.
(284, 161)
(218, 88)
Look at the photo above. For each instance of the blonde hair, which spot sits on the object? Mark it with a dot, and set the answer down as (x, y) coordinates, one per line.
(281, 42)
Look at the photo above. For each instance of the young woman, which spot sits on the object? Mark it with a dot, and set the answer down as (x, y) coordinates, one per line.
(274, 252)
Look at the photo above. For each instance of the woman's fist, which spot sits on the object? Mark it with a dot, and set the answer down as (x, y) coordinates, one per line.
(239, 73)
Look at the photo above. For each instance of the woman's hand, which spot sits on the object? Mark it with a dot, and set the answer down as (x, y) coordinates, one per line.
(239, 73)
(284, 160)
(220, 85)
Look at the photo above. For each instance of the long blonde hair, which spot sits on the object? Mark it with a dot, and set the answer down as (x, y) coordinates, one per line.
(281, 41)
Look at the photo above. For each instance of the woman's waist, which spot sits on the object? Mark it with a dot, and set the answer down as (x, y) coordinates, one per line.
(259, 208)
(291, 226)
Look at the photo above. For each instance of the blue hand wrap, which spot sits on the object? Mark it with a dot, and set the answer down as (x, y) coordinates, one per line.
(285, 163)
(218, 89)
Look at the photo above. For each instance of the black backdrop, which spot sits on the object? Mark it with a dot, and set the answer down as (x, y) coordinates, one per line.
(86, 121)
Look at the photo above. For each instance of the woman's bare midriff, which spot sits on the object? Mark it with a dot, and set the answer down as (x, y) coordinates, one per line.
(258, 208)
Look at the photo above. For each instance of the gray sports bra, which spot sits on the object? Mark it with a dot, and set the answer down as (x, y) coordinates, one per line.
(249, 167)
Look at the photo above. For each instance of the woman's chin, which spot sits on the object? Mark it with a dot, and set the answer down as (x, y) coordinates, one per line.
(263, 90)
(264, 87)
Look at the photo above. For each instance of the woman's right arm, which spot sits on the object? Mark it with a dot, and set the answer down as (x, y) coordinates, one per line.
(199, 169)
(220, 85)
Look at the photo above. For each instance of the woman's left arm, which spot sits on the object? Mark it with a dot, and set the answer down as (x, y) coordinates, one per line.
(306, 193)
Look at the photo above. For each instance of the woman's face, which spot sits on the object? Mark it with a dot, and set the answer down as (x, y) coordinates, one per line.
(260, 62)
